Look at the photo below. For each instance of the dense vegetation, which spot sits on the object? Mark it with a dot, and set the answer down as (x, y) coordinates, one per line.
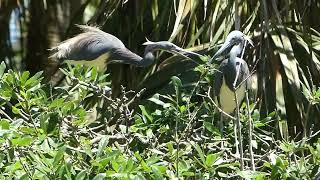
(161, 122)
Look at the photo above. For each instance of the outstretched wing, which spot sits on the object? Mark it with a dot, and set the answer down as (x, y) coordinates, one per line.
(89, 45)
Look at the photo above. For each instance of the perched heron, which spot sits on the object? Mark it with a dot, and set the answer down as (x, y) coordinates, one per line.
(95, 47)
(225, 82)
(233, 72)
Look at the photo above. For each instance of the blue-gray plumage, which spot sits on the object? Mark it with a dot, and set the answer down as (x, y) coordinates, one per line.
(95, 47)
(224, 81)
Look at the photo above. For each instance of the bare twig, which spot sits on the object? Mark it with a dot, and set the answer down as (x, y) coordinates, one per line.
(24, 166)
(22, 113)
(6, 115)
(254, 105)
(251, 73)
(250, 133)
(219, 109)
(239, 67)
(239, 131)
(189, 125)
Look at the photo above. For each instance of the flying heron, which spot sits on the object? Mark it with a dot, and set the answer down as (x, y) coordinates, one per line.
(225, 82)
(95, 47)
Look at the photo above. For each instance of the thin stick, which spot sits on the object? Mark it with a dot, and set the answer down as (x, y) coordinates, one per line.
(6, 115)
(236, 137)
(219, 109)
(253, 168)
(239, 131)
(251, 73)
(178, 144)
(239, 67)
(237, 75)
(176, 135)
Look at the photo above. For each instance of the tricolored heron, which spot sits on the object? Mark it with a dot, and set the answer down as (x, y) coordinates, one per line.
(230, 69)
(95, 47)
(232, 72)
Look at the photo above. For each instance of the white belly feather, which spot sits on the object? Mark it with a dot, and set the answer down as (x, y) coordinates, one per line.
(99, 62)
(227, 99)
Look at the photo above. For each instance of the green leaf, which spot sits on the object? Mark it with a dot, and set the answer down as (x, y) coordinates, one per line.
(183, 166)
(68, 106)
(2, 68)
(35, 79)
(157, 173)
(4, 124)
(94, 74)
(287, 147)
(115, 166)
(9, 78)
(170, 147)
(25, 75)
(16, 110)
(209, 126)
(152, 160)
(100, 176)
(145, 113)
(259, 175)
(64, 71)
(59, 156)
(129, 165)
(245, 174)
(188, 173)
(157, 101)
(102, 144)
(14, 167)
(199, 151)
(82, 175)
(210, 159)
(56, 103)
(283, 128)
(176, 81)
(23, 141)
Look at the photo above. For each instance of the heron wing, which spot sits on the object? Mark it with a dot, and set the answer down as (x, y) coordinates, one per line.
(89, 45)
(244, 73)
(218, 78)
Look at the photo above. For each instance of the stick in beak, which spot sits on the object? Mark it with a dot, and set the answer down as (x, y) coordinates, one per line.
(249, 40)
(184, 52)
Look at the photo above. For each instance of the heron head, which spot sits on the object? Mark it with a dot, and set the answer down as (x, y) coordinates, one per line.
(169, 47)
(234, 38)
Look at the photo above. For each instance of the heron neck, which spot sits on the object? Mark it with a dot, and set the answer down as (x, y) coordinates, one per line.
(148, 59)
(232, 64)
(234, 53)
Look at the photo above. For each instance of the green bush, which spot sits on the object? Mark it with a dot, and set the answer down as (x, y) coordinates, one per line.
(50, 133)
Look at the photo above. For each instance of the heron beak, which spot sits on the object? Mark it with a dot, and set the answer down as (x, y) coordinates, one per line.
(226, 46)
